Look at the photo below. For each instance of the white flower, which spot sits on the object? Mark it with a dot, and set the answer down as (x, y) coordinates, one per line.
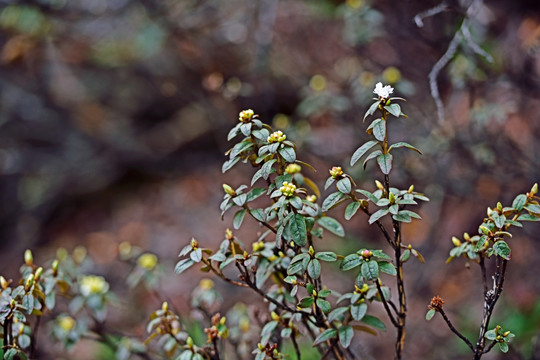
(383, 91)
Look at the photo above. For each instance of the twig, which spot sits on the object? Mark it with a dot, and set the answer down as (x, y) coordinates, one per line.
(488, 349)
(462, 33)
(385, 303)
(33, 337)
(454, 330)
(296, 347)
(418, 19)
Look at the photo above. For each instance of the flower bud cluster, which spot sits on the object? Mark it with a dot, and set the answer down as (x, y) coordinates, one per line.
(336, 171)
(276, 136)
(245, 116)
(288, 189)
(293, 169)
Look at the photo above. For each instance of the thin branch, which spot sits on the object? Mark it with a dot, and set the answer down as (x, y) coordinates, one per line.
(474, 46)
(488, 349)
(484, 275)
(434, 73)
(385, 303)
(418, 19)
(296, 347)
(454, 330)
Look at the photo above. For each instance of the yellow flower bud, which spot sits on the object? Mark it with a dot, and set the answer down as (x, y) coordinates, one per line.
(93, 284)
(206, 284)
(379, 185)
(79, 254)
(288, 189)
(66, 323)
(274, 316)
(165, 306)
(229, 190)
(3, 283)
(336, 171)
(229, 235)
(194, 243)
(456, 241)
(28, 258)
(189, 342)
(293, 169)
(246, 115)
(276, 136)
(534, 189)
(411, 189)
(38, 273)
(311, 198)
(147, 261)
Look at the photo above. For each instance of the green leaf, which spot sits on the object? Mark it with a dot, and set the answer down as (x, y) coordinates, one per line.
(387, 268)
(10, 354)
(297, 226)
(372, 109)
(314, 269)
(535, 209)
(373, 155)
(196, 255)
(238, 218)
(331, 200)
(337, 314)
(430, 314)
(377, 215)
(329, 182)
(350, 262)
(258, 214)
(528, 217)
(331, 225)
(298, 264)
(288, 154)
(409, 214)
(296, 202)
(325, 335)
(323, 305)
(402, 217)
(361, 151)
(346, 334)
(380, 254)
(229, 164)
(327, 256)
(370, 270)
(379, 129)
(351, 209)
(490, 335)
(373, 321)
(183, 265)
(344, 185)
(501, 248)
(519, 202)
(269, 328)
(393, 109)
(368, 195)
(503, 347)
(305, 302)
(267, 168)
(255, 193)
(240, 147)
(24, 341)
(385, 163)
(233, 132)
(404, 144)
(358, 311)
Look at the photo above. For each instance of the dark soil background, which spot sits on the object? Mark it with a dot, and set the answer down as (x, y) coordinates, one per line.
(114, 116)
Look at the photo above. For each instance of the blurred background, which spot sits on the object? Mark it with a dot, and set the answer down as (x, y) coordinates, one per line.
(114, 116)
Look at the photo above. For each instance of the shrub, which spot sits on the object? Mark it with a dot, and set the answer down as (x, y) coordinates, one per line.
(282, 265)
